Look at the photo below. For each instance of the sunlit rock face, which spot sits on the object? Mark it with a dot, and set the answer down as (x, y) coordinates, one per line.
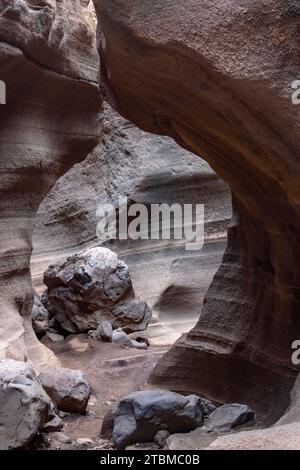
(147, 169)
(217, 76)
(49, 64)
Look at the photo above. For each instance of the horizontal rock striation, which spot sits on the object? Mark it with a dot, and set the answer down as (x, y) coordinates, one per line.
(49, 64)
(218, 78)
(146, 169)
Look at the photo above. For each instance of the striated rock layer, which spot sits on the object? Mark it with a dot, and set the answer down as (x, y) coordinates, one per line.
(146, 169)
(218, 78)
(50, 121)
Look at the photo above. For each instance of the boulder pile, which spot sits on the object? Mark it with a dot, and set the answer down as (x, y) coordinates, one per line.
(153, 415)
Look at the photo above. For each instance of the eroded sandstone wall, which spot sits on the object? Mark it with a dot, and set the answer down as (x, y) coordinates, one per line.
(49, 64)
(146, 169)
(217, 77)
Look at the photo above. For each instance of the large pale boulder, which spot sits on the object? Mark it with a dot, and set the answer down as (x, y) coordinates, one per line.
(91, 287)
(141, 415)
(24, 405)
(69, 388)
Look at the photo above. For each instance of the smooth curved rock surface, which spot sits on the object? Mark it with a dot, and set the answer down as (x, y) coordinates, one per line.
(49, 64)
(285, 437)
(148, 169)
(218, 78)
(141, 415)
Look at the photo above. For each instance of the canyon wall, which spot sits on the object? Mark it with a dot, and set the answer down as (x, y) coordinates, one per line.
(147, 169)
(217, 77)
(49, 63)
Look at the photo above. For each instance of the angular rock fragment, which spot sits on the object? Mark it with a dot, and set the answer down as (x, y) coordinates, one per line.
(161, 437)
(142, 339)
(141, 415)
(39, 315)
(104, 331)
(143, 446)
(198, 439)
(58, 439)
(227, 417)
(119, 336)
(207, 407)
(133, 315)
(91, 287)
(108, 424)
(24, 405)
(84, 442)
(55, 337)
(54, 425)
(69, 389)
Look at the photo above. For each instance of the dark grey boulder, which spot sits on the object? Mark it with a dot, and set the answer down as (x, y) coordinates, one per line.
(108, 424)
(207, 406)
(227, 417)
(132, 315)
(39, 316)
(141, 415)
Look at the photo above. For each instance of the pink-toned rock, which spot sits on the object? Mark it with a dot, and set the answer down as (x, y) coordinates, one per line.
(49, 64)
(217, 77)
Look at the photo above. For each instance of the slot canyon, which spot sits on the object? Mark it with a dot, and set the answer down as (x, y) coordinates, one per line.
(161, 102)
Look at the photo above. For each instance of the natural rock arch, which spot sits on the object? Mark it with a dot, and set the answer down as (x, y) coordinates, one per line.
(217, 77)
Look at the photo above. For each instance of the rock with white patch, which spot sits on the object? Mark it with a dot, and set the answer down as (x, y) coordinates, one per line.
(24, 406)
